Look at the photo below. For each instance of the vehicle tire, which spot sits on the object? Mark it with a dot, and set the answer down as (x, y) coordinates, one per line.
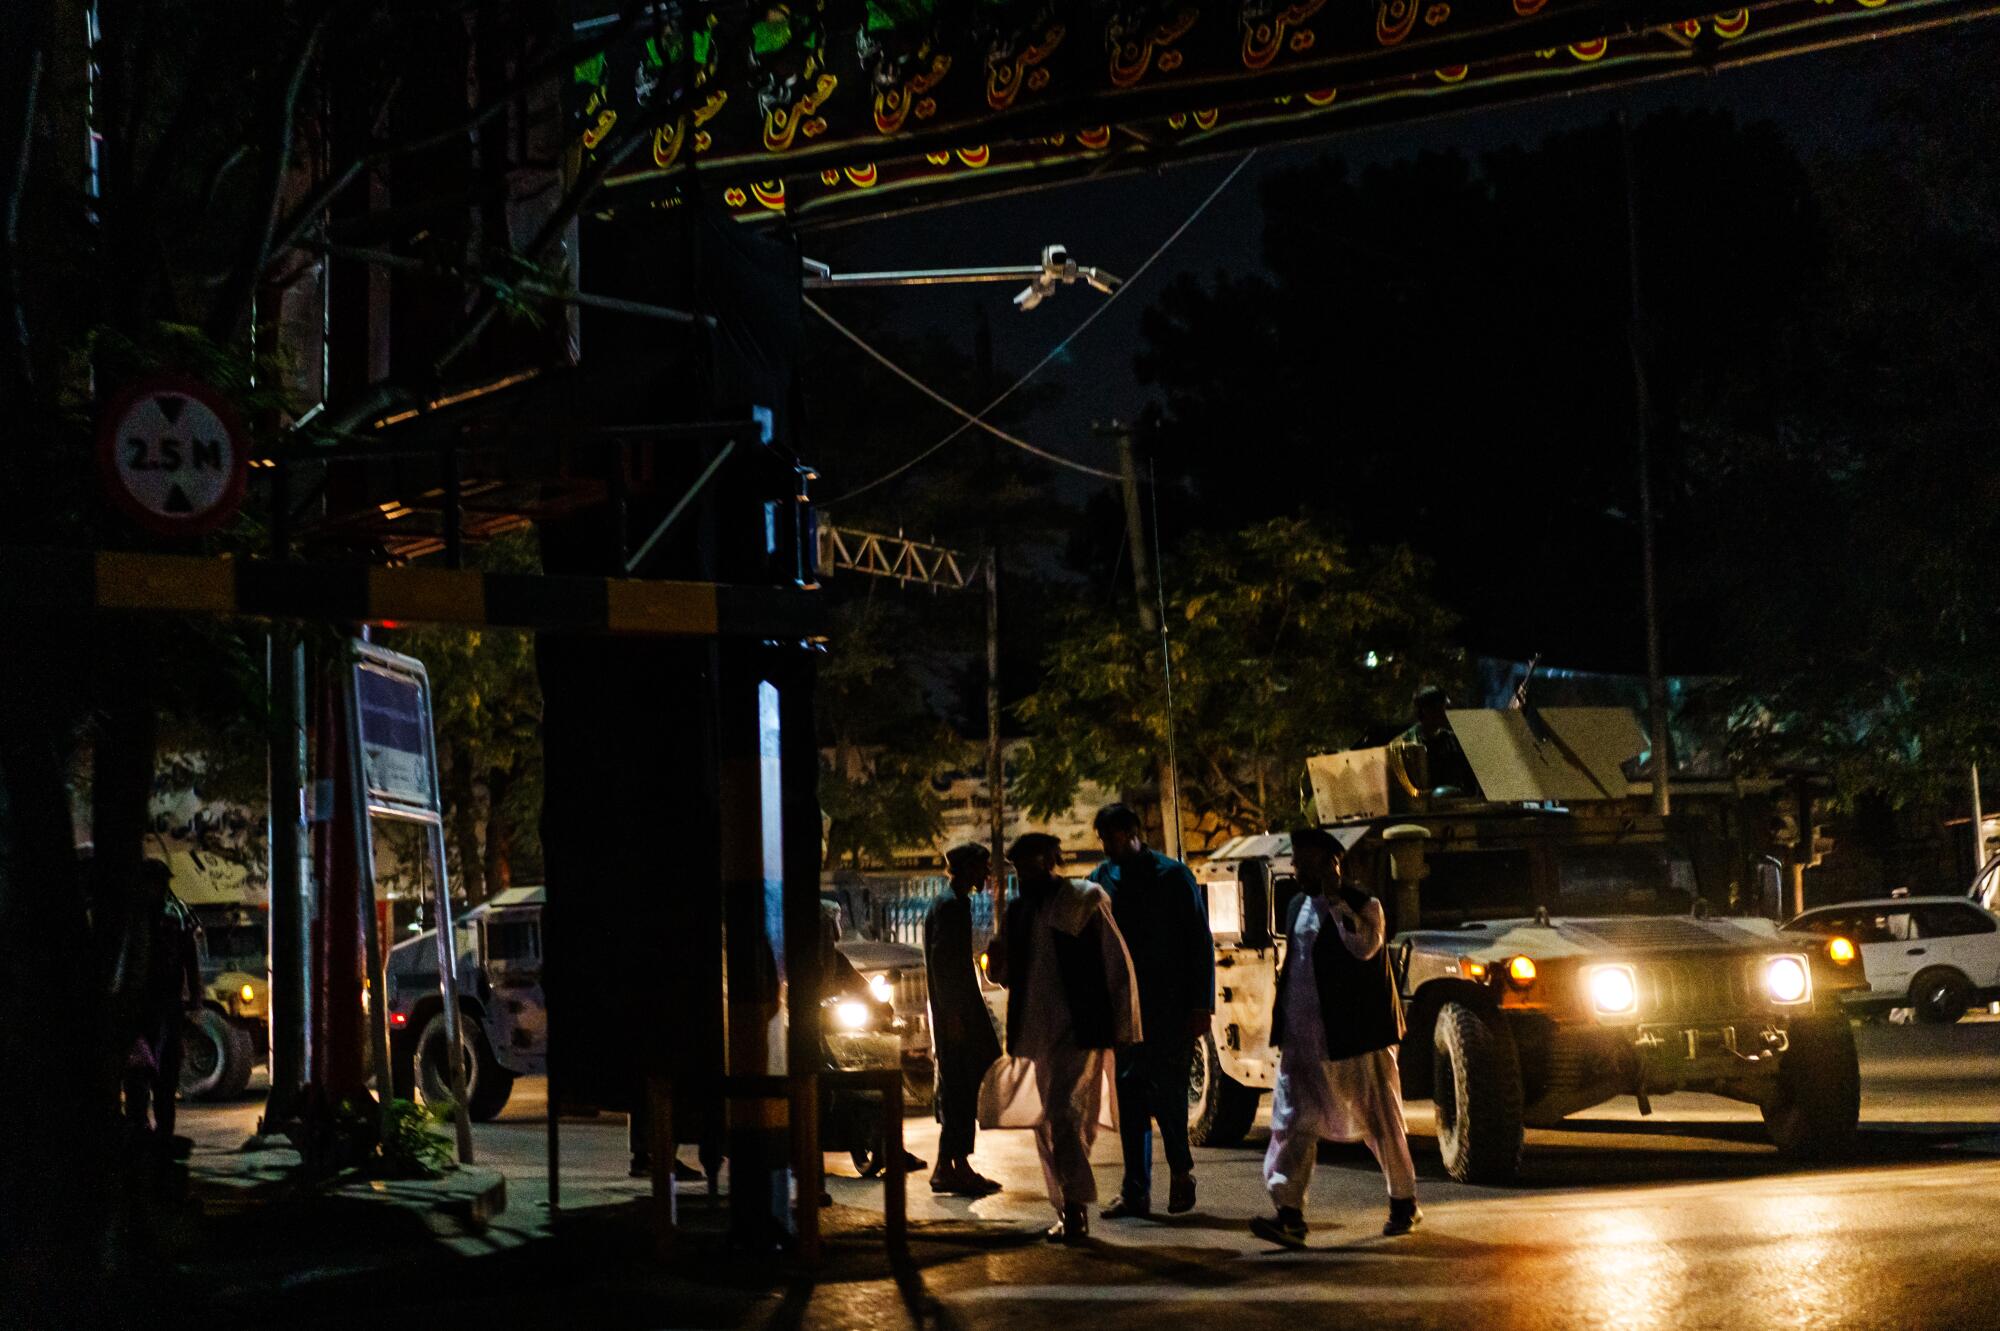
(216, 1057)
(1940, 996)
(1220, 1108)
(487, 1085)
(1815, 1109)
(1476, 1087)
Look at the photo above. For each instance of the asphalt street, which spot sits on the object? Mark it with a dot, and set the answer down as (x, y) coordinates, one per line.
(1681, 1219)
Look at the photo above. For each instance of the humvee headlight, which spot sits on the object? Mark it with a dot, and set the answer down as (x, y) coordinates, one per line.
(1840, 950)
(1614, 990)
(1521, 970)
(1787, 979)
(878, 985)
(851, 1013)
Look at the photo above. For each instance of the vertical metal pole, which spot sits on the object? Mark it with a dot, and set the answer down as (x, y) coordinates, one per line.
(996, 769)
(364, 863)
(290, 947)
(798, 763)
(454, 509)
(1656, 680)
(1978, 826)
(447, 950)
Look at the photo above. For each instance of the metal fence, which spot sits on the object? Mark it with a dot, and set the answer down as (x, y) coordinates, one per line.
(892, 910)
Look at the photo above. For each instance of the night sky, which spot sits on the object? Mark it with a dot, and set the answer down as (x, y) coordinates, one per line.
(1822, 103)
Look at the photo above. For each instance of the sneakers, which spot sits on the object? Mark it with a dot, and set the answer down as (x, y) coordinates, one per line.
(1126, 1208)
(1287, 1229)
(1071, 1227)
(1180, 1194)
(1404, 1216)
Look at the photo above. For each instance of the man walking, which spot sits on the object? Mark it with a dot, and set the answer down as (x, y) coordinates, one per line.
(1072, 999)
(1336, 1023)
(1159, 911)
(962, 1039)
(159, 983)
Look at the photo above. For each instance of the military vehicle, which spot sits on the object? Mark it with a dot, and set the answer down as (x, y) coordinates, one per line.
(227, 1037)
(1553, 945)
(505, 1030)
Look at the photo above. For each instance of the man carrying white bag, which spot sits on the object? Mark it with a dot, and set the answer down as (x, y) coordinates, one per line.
(1072, 999)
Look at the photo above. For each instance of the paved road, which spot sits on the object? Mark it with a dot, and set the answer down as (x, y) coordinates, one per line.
(1685, 1219)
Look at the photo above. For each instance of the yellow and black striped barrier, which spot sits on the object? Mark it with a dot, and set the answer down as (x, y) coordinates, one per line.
(194, 584)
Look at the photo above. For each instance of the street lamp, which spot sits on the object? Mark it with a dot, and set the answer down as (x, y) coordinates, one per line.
(1057, 268)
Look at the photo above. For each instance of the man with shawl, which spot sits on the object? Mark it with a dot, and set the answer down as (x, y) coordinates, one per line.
(1072, 1000)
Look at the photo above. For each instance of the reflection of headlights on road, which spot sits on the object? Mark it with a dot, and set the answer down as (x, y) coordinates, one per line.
(1614, 990)
(852, 1014)
(878, 985)
(1787, 979)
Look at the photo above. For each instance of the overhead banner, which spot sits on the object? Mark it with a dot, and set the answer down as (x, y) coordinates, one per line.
(828, 108)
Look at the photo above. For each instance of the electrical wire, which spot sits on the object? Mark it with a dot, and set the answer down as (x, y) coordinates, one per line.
(948, 404)
(1053, 352)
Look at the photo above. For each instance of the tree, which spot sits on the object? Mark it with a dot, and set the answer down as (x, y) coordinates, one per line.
(487, 707)
(1284, 642)
(882, 739)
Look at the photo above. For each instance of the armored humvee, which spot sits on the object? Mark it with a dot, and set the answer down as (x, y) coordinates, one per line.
(1553, 945)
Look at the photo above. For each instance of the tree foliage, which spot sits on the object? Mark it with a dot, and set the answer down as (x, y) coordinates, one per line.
(1284, 642)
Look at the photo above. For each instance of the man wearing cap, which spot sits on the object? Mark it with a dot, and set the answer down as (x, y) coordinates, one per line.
(1336, 1023)
(1072, 1000)
(962, 1039)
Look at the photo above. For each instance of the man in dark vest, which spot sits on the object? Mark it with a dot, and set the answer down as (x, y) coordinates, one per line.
(1336, 1023)
(1160, 913)
(962, 1038)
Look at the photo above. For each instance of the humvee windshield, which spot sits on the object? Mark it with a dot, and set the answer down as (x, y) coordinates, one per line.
(1478, 885)
(234, 946)
(1623, 880)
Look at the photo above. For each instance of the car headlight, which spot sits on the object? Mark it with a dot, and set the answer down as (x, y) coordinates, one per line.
(851, 1013)
(1787, 980)
(1614, 990)
(879, 986)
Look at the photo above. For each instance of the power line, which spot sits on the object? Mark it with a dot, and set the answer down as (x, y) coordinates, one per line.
(1054, 351)
(947, 403)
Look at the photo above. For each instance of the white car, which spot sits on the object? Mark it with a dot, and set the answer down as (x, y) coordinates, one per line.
(1937, 956)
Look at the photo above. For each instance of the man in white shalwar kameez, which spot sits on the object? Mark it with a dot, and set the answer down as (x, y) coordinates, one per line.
(1072, 999)
(1336, 1022)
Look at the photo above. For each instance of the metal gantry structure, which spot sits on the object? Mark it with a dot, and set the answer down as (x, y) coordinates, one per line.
(848, 550)
(926, 564)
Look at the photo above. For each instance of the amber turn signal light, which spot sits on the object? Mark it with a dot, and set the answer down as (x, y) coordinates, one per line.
(1840, 950)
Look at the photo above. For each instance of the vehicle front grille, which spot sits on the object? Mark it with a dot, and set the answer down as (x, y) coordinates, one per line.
(1692, 988)
(913, 994)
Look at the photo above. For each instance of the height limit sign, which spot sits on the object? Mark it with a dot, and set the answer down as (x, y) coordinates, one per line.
(172, 455)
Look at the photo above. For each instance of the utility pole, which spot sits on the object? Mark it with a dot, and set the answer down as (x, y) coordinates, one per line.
(1656, 680)
(1147, 595)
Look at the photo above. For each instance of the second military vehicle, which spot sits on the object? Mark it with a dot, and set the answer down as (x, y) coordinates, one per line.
(1553, 947)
